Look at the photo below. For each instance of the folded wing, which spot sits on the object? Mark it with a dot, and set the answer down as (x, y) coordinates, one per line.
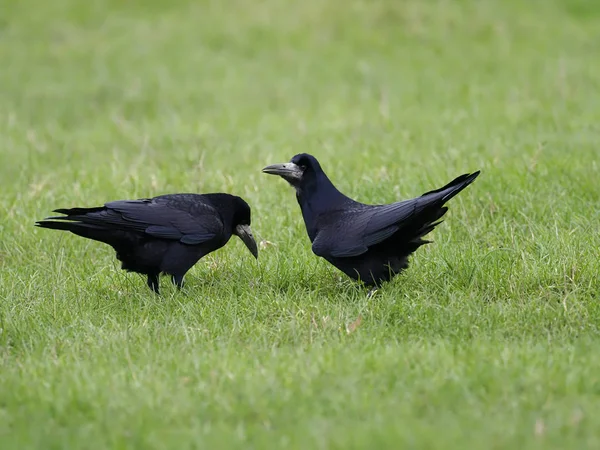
(351, 232)
(187, 223)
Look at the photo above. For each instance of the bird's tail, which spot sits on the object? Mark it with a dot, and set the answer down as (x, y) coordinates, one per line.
(431, 208)
(76, 212)
(76, 221)
(453, 188)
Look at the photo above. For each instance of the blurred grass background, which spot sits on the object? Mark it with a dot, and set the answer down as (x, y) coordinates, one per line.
(489, 340)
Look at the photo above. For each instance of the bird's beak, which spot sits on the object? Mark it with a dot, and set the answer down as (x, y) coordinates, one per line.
(245, 234)
(288, 171)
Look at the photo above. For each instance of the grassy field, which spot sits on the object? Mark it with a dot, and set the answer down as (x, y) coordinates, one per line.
(489, 340)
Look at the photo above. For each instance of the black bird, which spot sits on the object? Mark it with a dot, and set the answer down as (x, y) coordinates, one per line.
(370, 243)
(167, 234)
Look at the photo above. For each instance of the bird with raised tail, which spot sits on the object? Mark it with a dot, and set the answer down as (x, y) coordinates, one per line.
(370, 243)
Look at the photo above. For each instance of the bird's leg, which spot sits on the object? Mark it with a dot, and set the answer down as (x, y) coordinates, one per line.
(177, 280)
(153, 282)
(371, 292)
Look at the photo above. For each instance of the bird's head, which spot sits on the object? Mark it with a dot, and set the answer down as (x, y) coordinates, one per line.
(302, 170)
(241, 225)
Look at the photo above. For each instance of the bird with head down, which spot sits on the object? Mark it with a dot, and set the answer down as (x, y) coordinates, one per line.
(370, 243)
(167, 234)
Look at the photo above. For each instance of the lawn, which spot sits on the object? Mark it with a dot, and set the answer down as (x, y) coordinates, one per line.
(489, 340)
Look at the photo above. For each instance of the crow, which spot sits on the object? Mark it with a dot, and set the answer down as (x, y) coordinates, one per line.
(167, 234)
(369, 243)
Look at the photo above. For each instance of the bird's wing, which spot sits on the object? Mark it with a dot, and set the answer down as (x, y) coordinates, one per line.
(187, 222)
(352, 232)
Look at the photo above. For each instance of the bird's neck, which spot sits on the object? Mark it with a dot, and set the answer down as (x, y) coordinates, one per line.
(319, 197)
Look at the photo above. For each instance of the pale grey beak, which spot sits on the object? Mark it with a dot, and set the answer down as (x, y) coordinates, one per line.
(288, 171)
(245, 234)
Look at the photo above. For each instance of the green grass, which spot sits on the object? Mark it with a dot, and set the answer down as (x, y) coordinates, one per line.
(489, 340)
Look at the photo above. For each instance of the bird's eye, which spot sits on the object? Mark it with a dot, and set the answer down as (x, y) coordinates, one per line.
(303, 167)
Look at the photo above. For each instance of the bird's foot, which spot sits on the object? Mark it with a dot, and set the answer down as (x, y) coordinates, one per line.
(177, 281)
(371, 292)
(153, 283)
